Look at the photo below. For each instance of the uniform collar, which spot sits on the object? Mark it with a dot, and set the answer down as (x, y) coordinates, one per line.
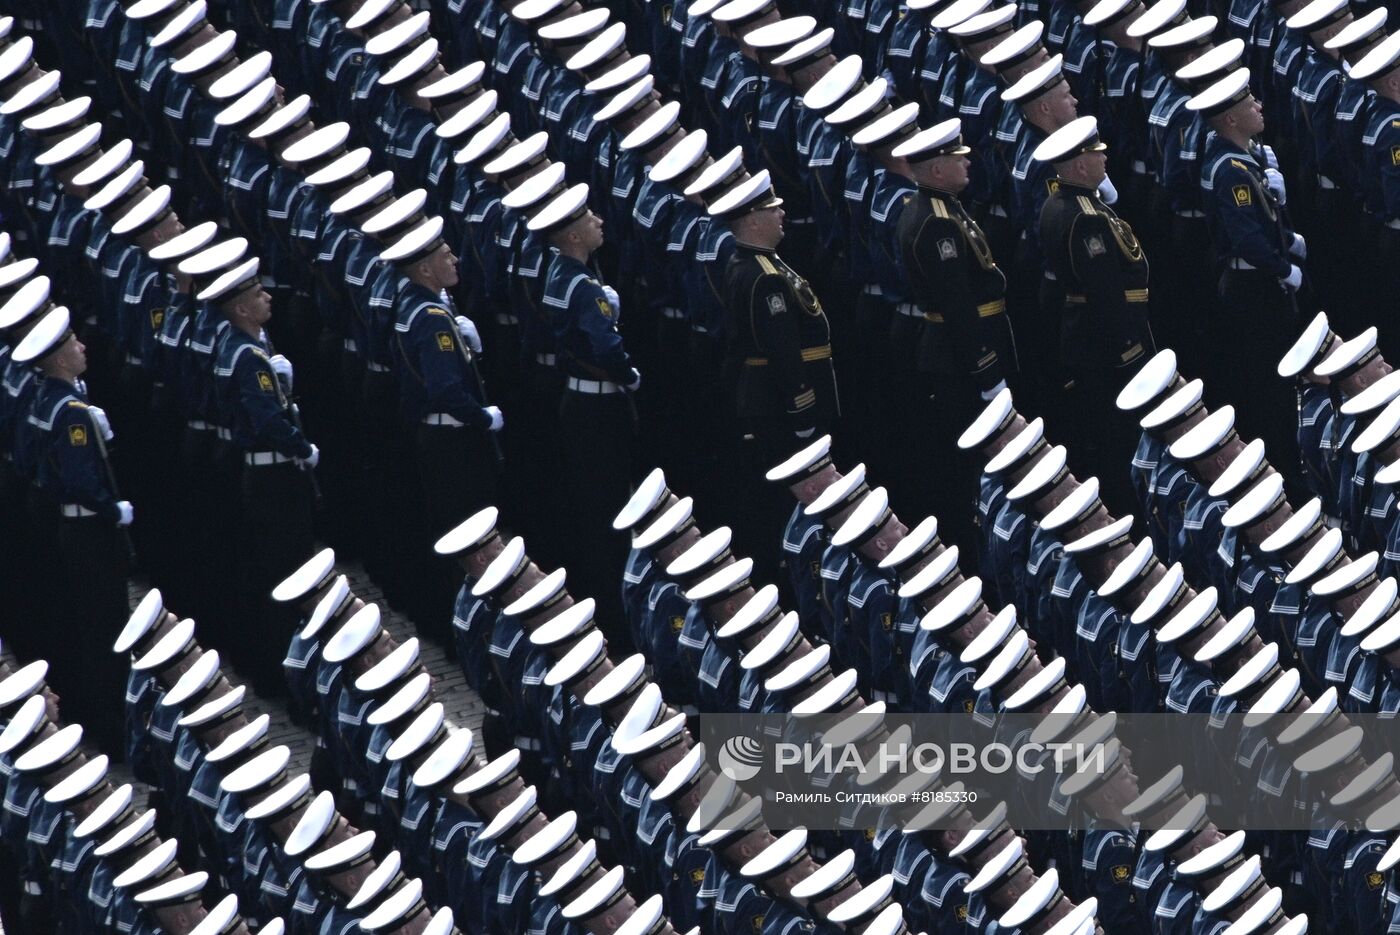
(937, 193)
(1076, 187)
(766, 251)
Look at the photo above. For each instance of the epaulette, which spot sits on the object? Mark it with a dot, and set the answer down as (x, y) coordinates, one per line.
(766, 265)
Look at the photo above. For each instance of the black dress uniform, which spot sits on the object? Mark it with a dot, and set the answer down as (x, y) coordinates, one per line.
(781, 340)
(1104, 331)
(959, 289)
(778, 360)
(966, 348)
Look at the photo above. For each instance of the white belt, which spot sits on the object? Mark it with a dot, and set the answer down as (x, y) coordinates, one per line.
(669, 312)
(224, 434)
(264, 458)
(997, 211)
(1050, 276)
(442, 418)
(372, 367)
(74, 511)
(528, 743)
(1393, 223)
(1237, 263)
(506, 318)
(1190, 213)
(699, 329)
(594, 387)
(886, 697)
(546, 360)
(200, 425)
(134, 360)
(350, 345)
(32, 888)
(908, 308)
(1325, 183)
(872, 289)
(1139, 167)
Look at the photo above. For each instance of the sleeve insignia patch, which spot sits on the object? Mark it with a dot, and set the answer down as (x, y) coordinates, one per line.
(1395, 155)
(697, 876)
(1052, 186)
(887, 622)
(677, 624)
(1121, 874)
(1243, 196)
(947, 250)
(157, 317)
(1374, 879)
(962, 913)
(756, 924)
(77, 435)
(776, 305)
(1095, 246)
(444, 341)
(968, 706)
(265, 381)
(604, 308)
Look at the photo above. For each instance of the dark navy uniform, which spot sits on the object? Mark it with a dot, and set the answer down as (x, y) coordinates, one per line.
(596, 421)
(1109, 858)
(72, 474)
(1253, 243)
(275, 518)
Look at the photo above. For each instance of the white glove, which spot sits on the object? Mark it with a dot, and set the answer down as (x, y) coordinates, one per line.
(126, 513)
(1275, 179)
(283, 368)
(1294, 280)
(468, 331)
(1107, 191)
(991, 394)
(611, 295)
(636, 381)
(1299, 248)
(99, 416)
(312, 459)
(498, 420)
(1270, 157)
